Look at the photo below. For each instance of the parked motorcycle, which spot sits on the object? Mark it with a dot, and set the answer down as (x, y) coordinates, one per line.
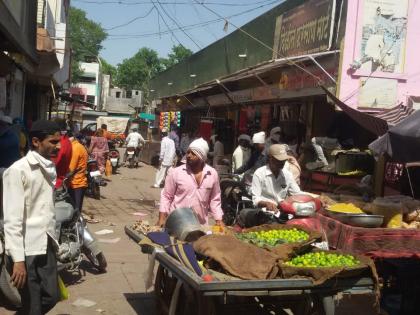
(94, 179)
(73, 235)
(236, 195)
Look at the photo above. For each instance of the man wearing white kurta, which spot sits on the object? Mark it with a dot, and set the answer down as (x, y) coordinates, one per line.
(242, 153)
(166, 158)
(271, 184)
(29, 220)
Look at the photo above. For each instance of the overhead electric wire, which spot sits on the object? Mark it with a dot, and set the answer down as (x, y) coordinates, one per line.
(288, 60)
(197, 25)
(166, 24)
(131, 21)
(169, 2)
(200, 17)
(177, 24)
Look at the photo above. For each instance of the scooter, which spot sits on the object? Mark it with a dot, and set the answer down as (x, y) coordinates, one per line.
(73, 235)
(114, 158)
(131, 156)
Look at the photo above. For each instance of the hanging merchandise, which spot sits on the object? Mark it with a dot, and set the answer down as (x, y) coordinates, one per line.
(205, 129)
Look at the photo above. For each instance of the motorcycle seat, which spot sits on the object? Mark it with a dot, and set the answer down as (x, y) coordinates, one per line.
(64, 212)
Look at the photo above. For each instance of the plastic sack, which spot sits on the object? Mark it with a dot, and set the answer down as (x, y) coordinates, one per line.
(108, 168)
(64, 293)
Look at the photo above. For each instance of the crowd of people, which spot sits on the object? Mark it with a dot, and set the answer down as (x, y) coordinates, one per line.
(191, 175)
(38, 160)
(34, 163)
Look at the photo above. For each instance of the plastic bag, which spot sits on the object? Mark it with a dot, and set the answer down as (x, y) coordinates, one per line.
(108, 168)
(64, 293)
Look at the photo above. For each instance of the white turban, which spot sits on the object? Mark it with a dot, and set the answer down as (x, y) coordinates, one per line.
(200, 147)
(244, 137)
(259, 137)
(274, 131)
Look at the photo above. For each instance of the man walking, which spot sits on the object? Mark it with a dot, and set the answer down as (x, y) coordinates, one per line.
(193, 185)
(166, 158)
(78, 182)
(29, 220)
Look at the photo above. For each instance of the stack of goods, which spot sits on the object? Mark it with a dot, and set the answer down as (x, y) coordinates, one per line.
(274, 237)
(144, 227)
(411, 214)
(345, 208)
(169, 118)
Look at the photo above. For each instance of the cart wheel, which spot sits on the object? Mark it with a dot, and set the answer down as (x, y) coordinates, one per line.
(187, 301)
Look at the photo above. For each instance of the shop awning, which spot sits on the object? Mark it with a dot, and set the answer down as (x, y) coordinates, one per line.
(147, 116)
(377, 123)
(402, 141)
(257, 70)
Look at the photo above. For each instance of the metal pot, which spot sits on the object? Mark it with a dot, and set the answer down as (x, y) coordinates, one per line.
(183, 224)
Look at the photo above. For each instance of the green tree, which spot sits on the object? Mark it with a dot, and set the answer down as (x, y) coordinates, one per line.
(136, 72)
(86, 37)
(108, 68)
(178, 53)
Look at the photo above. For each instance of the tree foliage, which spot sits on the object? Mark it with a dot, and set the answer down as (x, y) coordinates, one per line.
(135, 72)
(86, 37)
(108, 68)
(178, 53)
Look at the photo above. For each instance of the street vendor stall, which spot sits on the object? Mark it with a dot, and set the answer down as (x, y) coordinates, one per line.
(385, 230)
(181, 290)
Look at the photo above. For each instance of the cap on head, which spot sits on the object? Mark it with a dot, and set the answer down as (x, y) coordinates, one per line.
(258, 138)
(279, 152)
(244, 137)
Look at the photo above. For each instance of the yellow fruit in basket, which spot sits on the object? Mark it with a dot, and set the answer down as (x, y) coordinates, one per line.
(345, 208)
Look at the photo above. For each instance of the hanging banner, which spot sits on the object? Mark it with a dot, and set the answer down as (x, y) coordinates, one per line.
(306, 29)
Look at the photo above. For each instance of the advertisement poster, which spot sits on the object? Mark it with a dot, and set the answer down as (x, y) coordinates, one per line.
(378, 93)
(384, 32)
(306, 29)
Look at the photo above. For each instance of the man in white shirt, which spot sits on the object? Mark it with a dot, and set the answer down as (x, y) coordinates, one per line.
(29, 220)
(134, 140)
(271, 184)
(166, 158)
(242, 153)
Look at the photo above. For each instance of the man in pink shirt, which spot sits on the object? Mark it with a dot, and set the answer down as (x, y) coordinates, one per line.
(193, 185)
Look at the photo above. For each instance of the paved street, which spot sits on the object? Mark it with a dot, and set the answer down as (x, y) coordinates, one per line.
(121, 290)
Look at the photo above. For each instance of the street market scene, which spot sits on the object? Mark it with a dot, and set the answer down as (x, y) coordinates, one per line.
(210, 157)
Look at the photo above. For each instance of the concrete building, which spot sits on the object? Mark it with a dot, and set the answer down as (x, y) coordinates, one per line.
(31, 34)
(90, 83)
(120, 102)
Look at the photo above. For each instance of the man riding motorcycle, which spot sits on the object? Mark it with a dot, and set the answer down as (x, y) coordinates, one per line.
(271, 184)
(134, 140)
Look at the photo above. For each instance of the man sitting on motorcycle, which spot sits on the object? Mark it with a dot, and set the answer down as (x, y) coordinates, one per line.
(134, 140)
(271, 184)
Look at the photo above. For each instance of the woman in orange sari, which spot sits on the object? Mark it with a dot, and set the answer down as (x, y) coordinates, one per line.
(99, 149)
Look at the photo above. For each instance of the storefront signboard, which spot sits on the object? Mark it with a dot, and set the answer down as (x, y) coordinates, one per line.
(306, 29)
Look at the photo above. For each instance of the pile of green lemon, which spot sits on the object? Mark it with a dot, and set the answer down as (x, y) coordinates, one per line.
(274, 237)
(323, 259)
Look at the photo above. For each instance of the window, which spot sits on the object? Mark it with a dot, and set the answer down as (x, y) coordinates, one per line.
(78, 97)
(118, 94)
(87, 79)
(137, 92)
(90, 99)
(129, 94)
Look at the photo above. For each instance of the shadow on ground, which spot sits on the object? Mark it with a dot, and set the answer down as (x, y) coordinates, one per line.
(142, 303)
(76, 277)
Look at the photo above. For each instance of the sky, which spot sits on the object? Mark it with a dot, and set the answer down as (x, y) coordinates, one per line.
(161, 24)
